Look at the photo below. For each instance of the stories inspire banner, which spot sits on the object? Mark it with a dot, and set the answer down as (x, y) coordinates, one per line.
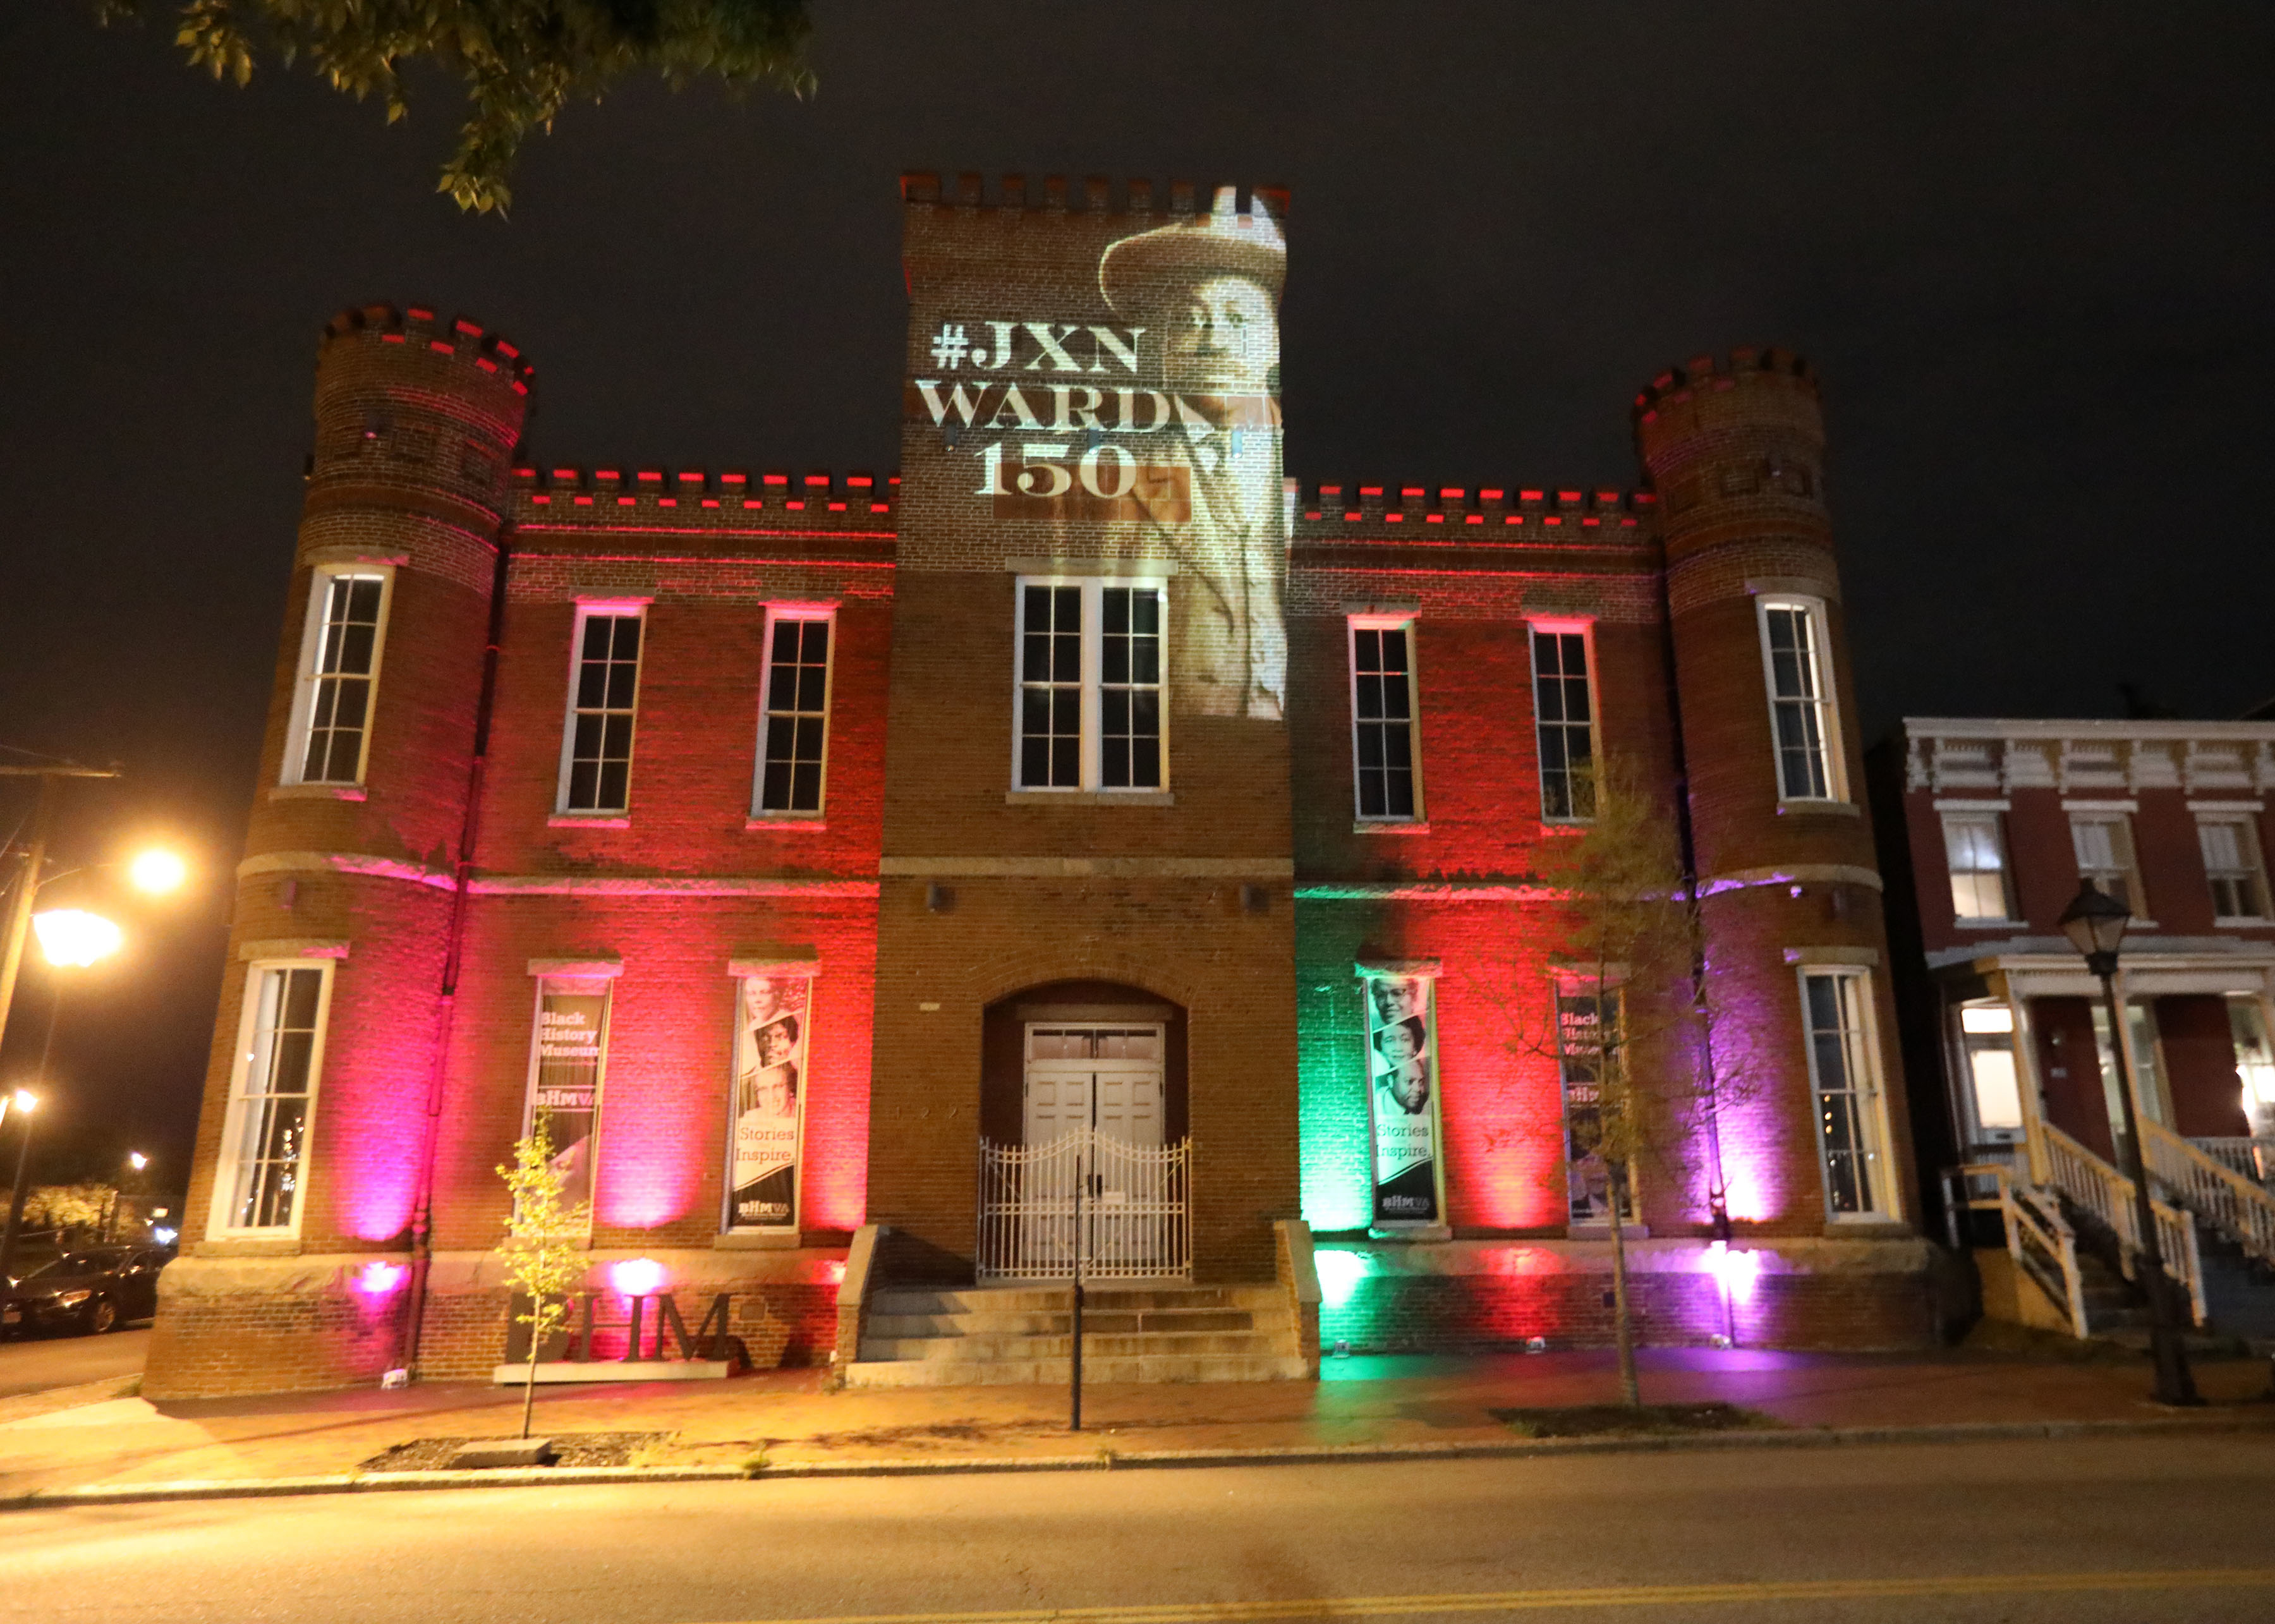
(767, 1115)
(1403, 1101)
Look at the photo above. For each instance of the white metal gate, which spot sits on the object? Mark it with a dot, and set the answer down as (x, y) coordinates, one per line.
(1085, 1203)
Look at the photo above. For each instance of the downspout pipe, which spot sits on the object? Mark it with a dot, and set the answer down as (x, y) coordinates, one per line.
(422, 1213)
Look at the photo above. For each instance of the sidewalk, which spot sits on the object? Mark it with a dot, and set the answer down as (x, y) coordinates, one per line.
(1388, 1402)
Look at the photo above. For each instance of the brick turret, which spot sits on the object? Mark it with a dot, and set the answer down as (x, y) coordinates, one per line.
(1784, 852)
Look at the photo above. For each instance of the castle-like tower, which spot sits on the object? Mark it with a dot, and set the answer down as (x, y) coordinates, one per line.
(360, 824)
(1771, 756)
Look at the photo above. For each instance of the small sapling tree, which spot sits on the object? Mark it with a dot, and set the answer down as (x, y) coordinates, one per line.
(544, 1250)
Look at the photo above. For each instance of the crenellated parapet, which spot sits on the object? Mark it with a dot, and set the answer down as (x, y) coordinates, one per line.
(1330, 512)
(1094, 194)
(597, 497)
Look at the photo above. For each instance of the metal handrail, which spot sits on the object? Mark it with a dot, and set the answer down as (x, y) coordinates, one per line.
(2240, 1208)
(2100, 1190)
(2038, 1238)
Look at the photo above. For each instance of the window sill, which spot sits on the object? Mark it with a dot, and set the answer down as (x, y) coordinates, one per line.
(815, 823)
(758, 1241)
(1992, 925)
(2239, 925)
(1425, 1233)
(1089, 798)
(250, 1244)
(1390, 826)
(588, 821)
(1567, 826)
(1819, 809)
(317, 792)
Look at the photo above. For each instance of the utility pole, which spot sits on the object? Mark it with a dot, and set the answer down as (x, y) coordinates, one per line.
(35, 857)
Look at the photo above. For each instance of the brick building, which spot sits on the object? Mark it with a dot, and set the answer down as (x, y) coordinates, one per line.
(1991, 824)
(834, 860)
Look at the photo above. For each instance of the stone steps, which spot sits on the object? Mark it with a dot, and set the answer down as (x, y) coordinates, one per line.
(996, 1335)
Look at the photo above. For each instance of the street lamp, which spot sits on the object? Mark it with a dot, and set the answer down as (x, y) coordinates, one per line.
(2095, 924)
(22, 1103)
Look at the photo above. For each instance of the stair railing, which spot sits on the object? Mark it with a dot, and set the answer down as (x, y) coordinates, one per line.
(2240, 1208)
(2038, 1238)
(2251, 1155)
(2096, 1187)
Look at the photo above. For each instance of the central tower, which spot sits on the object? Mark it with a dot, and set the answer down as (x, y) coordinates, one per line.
(1086, 810)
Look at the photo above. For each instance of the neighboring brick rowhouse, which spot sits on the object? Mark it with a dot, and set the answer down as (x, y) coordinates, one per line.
(936, 904)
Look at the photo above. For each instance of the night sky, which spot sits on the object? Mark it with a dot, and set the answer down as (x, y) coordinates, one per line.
(2026, 245)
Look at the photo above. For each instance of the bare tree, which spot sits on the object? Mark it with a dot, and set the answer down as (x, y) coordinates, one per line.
(1631, 1021)
(544, 1249)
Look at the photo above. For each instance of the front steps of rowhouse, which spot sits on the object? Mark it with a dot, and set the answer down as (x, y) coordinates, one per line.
(922, 1337)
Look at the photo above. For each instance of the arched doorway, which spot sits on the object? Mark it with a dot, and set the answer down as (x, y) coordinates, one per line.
(1084, 1159)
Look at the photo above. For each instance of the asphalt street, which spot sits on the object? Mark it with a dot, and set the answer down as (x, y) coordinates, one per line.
(2120, 1530)
(35, 1363)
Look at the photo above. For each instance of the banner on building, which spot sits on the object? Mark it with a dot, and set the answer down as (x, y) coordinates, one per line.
(765, 1120)
(1401, 1052)
(1124, 410)
(565, 1084)
(1587, 1043)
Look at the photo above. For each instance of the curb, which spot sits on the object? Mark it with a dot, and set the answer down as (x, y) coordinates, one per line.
(1110, 1459)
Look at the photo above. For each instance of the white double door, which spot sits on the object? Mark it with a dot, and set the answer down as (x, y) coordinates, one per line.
(1113, 1071)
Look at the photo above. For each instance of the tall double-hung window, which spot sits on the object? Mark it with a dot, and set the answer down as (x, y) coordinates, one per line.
(1798, 667)
(2231, 860)
(794, 733)
(1091, 655)
(596, 749)
(264, 1155)
(330, 733)
(1844, 1075)
(1564, 719)
(1386, 752)
(2103, 842)
(1976, 854)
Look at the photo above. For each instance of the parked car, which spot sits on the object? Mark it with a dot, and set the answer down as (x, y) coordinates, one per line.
(89, 1291)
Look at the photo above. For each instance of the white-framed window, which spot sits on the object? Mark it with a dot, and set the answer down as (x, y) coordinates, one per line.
(2103, 844)
(1844, 1078)
(330, 734)
(1090, 669)
(596, 746)
(794, 713)
(1385, 757)
(1796, 661)
(263, 1167)
(1564, 717)
(2231, 866)
(1974, 846)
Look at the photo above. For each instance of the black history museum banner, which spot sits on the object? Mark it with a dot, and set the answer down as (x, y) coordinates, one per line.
(564, 1084)
(769, 1099)
(1402, 1053)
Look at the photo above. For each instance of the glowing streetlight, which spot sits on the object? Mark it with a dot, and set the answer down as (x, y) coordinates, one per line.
(157, 870)
(136, 1160)
(72, 936)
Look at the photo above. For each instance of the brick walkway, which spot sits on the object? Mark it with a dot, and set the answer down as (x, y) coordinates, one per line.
(793, 1417)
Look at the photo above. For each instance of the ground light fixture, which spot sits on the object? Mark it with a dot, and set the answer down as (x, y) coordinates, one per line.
(2094, 922)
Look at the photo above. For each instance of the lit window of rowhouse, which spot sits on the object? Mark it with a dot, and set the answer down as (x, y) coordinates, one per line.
(1383, 743)
(794, 733)
(2230, 860)
(1090, 669)
(1977, 855)
(596, 749)
(2103, 844)
(1564, 716)
(1845, 1079)
(264, 1157)
(1802, 714)
(339, 671)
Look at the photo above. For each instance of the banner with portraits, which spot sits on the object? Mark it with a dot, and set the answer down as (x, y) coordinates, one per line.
(1401, 1052)
(564, 1084)
(766, 1117)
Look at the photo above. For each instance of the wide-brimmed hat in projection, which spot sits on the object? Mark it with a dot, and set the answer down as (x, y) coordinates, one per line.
(1225, 242)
